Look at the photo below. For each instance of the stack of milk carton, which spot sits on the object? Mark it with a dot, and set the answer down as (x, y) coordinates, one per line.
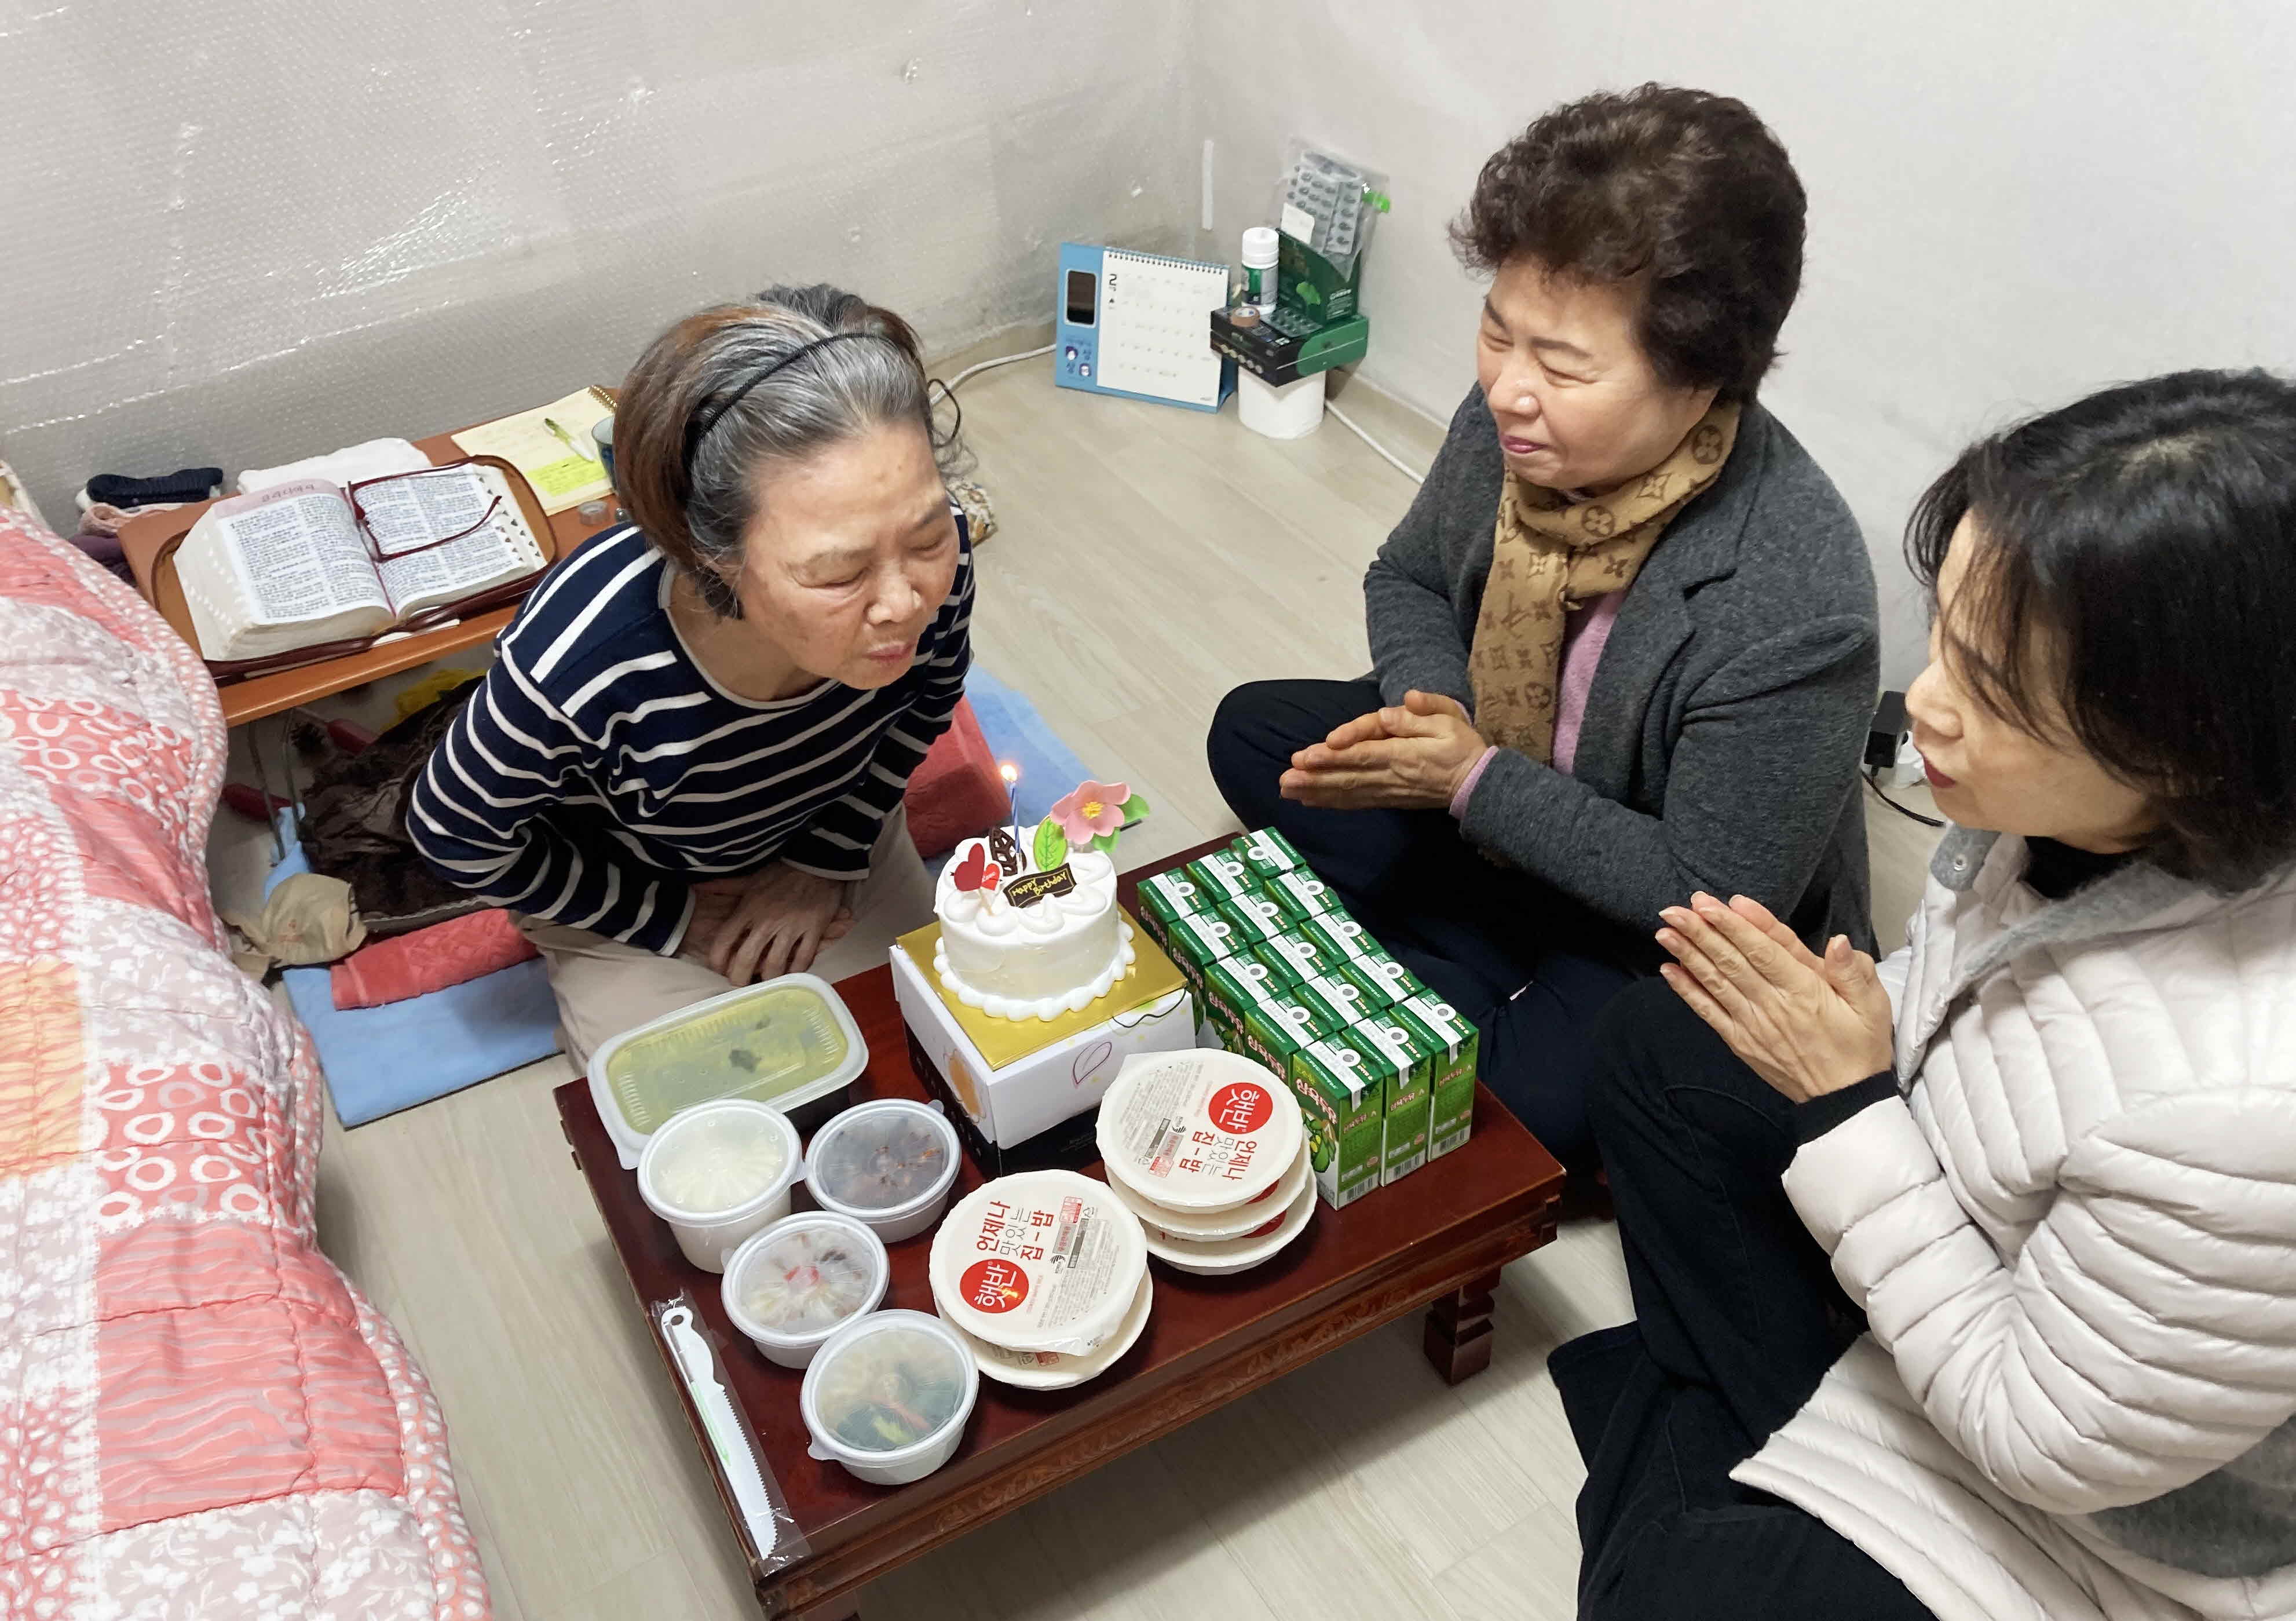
(1385, 1070)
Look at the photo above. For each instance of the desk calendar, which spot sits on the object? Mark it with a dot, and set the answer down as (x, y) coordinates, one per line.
(1140, 326)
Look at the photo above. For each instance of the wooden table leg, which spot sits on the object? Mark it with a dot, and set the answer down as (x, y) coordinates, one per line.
(1458, 1337)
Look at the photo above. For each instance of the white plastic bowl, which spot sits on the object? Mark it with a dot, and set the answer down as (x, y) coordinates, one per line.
(780, 1346)
(840, 1149)
(890, 1466)
(710, 1236)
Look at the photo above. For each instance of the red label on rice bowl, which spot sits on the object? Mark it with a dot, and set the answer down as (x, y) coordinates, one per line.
(1198, 1131)
(1045, 1261)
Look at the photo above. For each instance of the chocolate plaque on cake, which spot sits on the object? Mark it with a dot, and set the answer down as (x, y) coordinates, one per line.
(1032, 887)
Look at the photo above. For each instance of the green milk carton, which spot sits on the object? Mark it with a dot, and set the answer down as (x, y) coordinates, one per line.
(1273, 1032)
(1302, 895)
(1341, 932)
(1405, 1061)
(1394, 981)
(1455, 1037)
(1346, 1125)
(1165, 896)
(1198, 940)
(1267, 853)
(1231, 985)
(1279, 961)
(1345, 1001)
(1307, 957)
(1255, 917)
(1222, 876)
(1376, 986)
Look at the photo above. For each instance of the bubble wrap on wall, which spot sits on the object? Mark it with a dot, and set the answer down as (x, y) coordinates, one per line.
(244, 232)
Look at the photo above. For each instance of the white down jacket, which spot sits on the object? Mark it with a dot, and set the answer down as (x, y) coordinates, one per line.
(2074, 1237)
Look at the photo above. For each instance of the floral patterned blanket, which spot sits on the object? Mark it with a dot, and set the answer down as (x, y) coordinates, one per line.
(199, 1415)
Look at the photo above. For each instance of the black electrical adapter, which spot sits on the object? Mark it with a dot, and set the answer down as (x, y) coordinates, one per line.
(1887, 731)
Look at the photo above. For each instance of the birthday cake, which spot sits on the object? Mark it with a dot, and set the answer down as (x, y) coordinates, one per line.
(1034, 932)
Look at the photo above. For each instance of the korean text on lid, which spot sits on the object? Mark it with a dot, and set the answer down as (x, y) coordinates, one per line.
(1041, 1261)
(1198, 1130)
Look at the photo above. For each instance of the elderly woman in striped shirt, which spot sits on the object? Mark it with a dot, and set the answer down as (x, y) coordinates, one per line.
(685, 769)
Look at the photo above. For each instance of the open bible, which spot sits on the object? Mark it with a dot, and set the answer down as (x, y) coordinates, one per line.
(311, 563)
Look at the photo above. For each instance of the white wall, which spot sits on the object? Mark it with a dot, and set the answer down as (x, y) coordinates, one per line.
(2012, 201)
(247, 231)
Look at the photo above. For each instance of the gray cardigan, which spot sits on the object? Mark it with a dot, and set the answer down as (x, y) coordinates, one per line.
(1723, 732)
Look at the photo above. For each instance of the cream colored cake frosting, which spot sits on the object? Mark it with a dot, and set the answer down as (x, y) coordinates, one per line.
(1055, 956)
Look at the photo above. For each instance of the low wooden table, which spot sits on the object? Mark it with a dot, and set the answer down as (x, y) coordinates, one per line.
(1437, 1239)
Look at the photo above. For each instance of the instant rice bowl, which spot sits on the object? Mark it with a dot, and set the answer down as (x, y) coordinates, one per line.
(1041, 1261)
(1198, 1133)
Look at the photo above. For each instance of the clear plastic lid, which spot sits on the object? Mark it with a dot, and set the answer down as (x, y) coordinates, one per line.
(805, 1275)
(882, 1156)
(769, 1042)
(887, 1383)
(709, 1162)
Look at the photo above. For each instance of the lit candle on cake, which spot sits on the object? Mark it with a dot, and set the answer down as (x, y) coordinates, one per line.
(1011, 773)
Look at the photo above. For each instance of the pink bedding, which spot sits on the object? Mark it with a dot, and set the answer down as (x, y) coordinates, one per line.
(202, 1417)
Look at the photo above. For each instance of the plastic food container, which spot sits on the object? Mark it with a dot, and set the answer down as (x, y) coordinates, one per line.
(888, 1396)
(1180, 1225)
(889, 1165)
(791, 1286)
(788, 1042)
(1050, 1371)
(1199, 1132)
(1217, 1260)
(719, 1171)
(1042, 1261)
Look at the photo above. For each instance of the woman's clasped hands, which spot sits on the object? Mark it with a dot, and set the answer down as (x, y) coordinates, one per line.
(1408, 756)
(1808, 1024)
(770, 923)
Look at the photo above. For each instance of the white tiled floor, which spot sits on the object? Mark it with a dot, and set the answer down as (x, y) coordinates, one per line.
(1149, 560)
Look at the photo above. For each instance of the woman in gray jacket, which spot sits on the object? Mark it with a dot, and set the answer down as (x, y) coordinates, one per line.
(1625, 637)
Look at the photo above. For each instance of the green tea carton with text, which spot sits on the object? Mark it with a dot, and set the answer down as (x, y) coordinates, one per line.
(1221, 874)
(1198, 940)
(1394, 981)
(1341, 1001)
(1166, 896)
(1302, 895)
(1276, 1030)
(1455, 1037)
(1342, 934)
(1374, 986)
(1307, 958)
(1405, 1061)
(1267, 853)
(1345, 1109)
(1280, 961)
(1235, 984)
(1256, 917)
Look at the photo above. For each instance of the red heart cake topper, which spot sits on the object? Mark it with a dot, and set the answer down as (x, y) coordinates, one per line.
(978, 872)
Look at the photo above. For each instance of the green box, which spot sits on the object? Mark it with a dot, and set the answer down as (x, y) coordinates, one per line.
(1344, 1000)
(1347, 1122)
(1395, 981)
(1303, 896)
(1309, 958)
(1342, 934)
(1452, 1115)
(1221, 876)
(1267, 853)
(1273, 1032)
(1165, 896)
(1256, 917)
(1279, 961)
(1358, 973)
(1404, 1060)
(1197, 940)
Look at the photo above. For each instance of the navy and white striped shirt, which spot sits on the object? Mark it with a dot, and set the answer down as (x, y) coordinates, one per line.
(598, 770)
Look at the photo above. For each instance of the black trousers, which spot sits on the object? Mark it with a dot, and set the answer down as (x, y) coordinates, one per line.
(1530, 965)
(1738, 1317)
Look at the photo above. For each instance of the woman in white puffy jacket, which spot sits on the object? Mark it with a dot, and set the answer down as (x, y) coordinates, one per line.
(1966, 1285)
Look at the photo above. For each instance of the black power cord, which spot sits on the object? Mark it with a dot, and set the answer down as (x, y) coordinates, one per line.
(1874, 781)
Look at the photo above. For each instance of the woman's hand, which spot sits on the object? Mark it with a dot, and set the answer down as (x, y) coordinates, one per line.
(1807, 1024)
(1406, 757)
(770, 923)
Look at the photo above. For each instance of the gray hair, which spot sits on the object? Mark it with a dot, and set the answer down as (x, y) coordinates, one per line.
(743, 386)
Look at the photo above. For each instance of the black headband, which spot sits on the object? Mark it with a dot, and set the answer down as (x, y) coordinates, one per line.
(698, 426)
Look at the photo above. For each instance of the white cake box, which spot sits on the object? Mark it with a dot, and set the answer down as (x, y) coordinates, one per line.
(1056, 1081)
